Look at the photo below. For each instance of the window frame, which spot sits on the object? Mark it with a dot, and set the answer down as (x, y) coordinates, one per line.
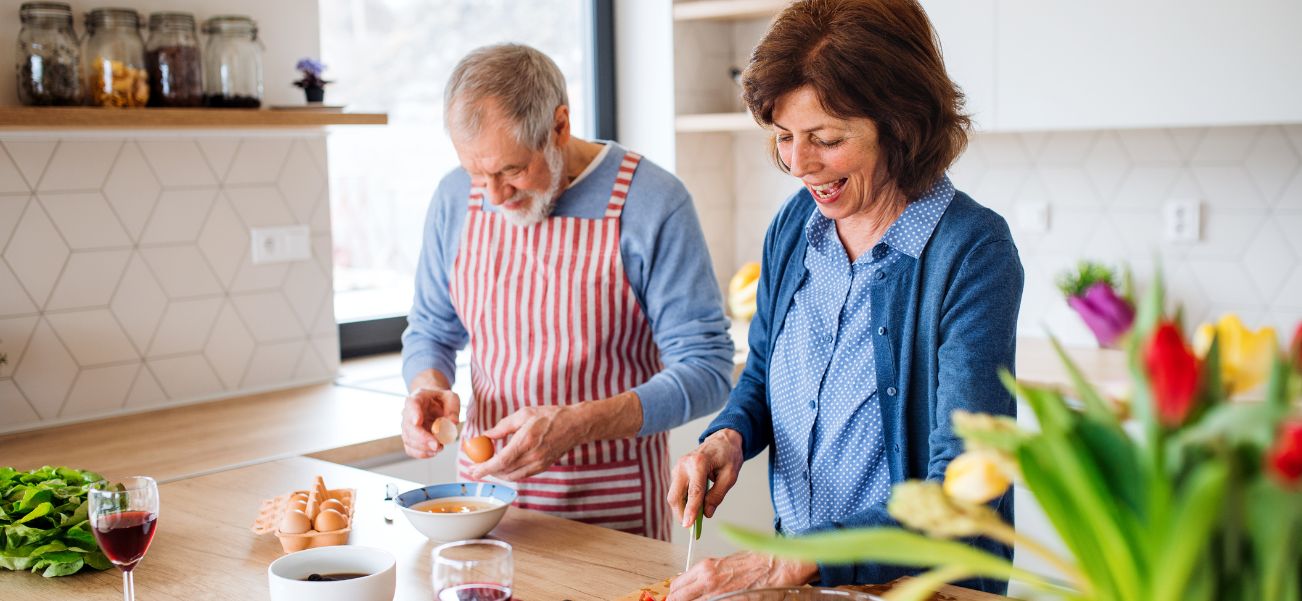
(374, 336)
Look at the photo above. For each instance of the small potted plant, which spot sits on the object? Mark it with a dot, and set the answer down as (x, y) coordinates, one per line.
(311, 82)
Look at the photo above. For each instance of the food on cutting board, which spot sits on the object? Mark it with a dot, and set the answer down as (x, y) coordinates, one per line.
(43, 521)
(303, 519)
(479, 449)
(444, 431)
(653, 592)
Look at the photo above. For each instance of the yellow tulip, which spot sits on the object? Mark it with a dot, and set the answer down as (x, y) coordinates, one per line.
(1246, 355)
(741, 291)
(976, 477)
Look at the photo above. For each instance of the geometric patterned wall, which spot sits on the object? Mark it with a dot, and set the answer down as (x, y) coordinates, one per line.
(125, 277)
(1104, 189)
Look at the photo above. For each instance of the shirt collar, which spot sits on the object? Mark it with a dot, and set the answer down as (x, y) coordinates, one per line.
(909, 234)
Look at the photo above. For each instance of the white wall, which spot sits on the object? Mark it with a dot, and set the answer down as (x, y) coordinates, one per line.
(288, 28)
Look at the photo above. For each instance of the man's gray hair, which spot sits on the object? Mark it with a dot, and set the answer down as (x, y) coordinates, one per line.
(524, 82)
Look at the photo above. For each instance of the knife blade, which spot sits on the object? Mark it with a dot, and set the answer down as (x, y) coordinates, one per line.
(696, 533)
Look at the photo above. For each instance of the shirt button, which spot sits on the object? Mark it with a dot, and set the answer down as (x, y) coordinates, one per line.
(813, 404)
(881, 275)
(881, 331)
(891, 391)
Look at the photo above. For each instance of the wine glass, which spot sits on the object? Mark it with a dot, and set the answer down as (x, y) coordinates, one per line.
(123, 517)
(473, 570)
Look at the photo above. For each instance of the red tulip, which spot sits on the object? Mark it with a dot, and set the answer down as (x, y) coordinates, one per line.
(1172, 373)
(1285, 460)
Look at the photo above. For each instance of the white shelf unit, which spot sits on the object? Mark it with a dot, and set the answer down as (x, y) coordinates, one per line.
(722, 153)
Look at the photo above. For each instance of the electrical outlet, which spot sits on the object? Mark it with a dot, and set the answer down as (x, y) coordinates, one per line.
(280, 244)
(1182, 220)
(1033, 217)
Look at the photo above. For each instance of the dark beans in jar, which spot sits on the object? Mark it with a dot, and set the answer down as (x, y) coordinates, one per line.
(175, 76)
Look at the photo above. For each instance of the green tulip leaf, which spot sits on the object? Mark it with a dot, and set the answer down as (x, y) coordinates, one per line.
(1194, 513)
(1095, 406)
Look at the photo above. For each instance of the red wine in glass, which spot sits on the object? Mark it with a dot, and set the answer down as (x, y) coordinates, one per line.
(124, 537)
(123, 517)
(476, 592)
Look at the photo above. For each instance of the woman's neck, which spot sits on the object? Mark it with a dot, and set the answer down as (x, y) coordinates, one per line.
(863, 230)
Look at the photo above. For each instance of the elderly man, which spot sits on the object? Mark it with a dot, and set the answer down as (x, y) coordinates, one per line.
(578, 273)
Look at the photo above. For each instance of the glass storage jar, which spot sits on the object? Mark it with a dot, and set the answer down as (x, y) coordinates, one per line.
(172, 55)
(49, 61)
(115, 59)
(232, 63)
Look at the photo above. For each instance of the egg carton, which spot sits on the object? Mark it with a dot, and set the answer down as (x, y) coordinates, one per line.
(272, 510)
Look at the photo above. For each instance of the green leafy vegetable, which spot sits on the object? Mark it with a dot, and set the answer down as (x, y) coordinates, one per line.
(43, 521)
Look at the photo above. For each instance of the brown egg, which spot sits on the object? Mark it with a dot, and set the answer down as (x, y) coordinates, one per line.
(295, 522)
(334, 504)
(329, 519)
(479, 449)
(444, 430)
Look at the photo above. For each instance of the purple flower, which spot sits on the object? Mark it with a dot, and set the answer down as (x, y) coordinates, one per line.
(1107, 315)
(311, 66)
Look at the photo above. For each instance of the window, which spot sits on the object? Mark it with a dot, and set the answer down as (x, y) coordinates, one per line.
(394, 56)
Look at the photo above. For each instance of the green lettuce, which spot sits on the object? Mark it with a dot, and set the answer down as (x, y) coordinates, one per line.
(43, 521)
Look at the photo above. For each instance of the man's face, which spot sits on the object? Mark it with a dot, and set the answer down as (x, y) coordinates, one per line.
(523, 182)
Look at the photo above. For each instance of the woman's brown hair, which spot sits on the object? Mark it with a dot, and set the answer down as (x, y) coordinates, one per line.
(878, 59)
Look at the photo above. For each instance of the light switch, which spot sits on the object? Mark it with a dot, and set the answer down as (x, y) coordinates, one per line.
(1033, 217)
(280, 244)
(1182, 220)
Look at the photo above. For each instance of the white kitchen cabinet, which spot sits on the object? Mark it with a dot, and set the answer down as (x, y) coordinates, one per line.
(966, 29)
(1111, 64)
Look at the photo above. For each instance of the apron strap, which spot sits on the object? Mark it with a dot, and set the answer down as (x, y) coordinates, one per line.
(619, 193)
(476, 199)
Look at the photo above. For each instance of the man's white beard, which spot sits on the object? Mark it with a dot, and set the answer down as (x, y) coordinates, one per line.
(539, 205)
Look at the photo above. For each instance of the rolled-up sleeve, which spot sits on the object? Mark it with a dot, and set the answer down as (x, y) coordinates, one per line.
(682, 301)
(434, 331)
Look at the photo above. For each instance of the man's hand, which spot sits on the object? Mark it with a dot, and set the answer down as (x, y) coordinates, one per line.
(423, 406)
(736, 572)
(718, 459)
(538, 437)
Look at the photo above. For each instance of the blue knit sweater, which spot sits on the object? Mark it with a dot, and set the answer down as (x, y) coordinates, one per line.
(950, 320)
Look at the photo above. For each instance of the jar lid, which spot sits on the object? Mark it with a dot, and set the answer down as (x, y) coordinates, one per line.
(45, 10)
(112, 17)
(238, 24)
(171, 20)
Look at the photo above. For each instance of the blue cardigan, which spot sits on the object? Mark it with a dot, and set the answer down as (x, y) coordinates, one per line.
(951, 320)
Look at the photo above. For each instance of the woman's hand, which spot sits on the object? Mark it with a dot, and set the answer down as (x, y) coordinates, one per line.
(718, 459)
(736, 572)
(538, 437)
(423, 406)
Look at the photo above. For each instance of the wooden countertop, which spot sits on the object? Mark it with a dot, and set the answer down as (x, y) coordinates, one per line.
(335, 422)
(1106, 369)
(204, 548)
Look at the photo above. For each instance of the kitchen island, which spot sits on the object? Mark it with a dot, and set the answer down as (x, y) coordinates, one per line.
(217, 461)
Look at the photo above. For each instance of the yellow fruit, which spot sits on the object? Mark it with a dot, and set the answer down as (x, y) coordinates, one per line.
(741, 291)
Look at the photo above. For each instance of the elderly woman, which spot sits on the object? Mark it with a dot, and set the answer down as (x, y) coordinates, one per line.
(887, 299)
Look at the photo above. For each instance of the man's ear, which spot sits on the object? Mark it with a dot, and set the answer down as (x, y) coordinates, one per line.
(561, 125)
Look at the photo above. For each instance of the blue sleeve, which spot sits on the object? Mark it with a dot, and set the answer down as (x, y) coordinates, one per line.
(747, 410)
(434, 331)
(682, 301)
(978, 332)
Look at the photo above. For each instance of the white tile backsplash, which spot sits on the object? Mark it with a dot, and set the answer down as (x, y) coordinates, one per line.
(1105, 191)
(125, 280)
(79, 165)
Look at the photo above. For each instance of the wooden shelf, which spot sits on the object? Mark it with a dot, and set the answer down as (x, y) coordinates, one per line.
(722, 10)
(30, 117)
(716, 122)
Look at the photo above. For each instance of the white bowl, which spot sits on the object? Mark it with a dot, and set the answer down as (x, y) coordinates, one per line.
(286, 575)
(448, 527)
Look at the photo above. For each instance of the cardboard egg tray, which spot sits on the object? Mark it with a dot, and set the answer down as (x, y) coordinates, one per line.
(272, 510)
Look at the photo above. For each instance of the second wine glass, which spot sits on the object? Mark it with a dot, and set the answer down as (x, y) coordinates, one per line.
(473, 570)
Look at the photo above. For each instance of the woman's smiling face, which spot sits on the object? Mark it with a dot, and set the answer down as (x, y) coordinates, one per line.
(837, 159)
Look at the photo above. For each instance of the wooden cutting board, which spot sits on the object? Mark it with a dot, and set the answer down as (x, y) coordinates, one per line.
(946, 593)
(658, 591)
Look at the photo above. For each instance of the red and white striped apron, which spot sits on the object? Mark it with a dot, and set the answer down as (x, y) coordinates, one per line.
(553, 321)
